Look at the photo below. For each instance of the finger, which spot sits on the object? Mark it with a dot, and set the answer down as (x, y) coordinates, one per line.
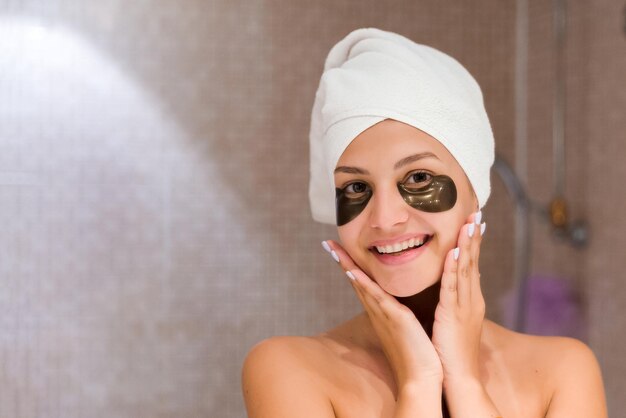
(364, 282)
(475, 241)
(476, 285)
(369, 300)
(380, 301)
(368, 306)
(448, 290)
(373, 297)
(346, 263)
(464, 264)
(342, 257)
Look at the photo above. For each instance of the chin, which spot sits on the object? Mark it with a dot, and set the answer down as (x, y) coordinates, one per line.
(406, 284)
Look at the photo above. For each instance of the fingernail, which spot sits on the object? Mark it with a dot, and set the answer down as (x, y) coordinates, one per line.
(483, 226)
(350, 275)
(326, 246)
(478, 217)
(456, 252)
(334, 256)
(470, 229)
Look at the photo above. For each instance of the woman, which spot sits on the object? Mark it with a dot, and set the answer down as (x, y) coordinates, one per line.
(401, 149)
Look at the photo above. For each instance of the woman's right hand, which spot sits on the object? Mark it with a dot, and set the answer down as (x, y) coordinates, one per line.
(410, 352)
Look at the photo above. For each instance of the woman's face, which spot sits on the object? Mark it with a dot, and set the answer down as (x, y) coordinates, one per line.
(384, 155)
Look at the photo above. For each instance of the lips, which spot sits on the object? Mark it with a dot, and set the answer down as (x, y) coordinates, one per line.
(400, 251)
(399, 244)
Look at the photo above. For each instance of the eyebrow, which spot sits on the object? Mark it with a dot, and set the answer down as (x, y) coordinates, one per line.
(414, 157)
(396, 166)
(350, 170)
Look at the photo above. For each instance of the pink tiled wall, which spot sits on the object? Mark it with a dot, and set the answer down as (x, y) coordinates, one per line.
(153, 187)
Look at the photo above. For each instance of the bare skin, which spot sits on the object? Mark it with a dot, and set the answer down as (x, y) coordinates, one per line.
(349, 376)
(400, 355)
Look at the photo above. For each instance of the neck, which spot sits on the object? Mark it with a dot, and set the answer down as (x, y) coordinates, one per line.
(423, 306)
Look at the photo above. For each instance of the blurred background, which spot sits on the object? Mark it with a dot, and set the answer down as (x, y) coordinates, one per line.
(154, 179)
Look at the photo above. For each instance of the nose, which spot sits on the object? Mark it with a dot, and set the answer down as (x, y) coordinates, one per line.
(388, 209)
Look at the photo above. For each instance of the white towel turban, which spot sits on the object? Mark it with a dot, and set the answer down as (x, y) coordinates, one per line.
(372, 75)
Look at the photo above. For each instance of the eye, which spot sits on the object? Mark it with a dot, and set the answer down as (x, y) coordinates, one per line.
(418, 179)
(355, 189)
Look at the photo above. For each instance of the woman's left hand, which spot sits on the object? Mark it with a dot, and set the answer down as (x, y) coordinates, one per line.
(461, 310)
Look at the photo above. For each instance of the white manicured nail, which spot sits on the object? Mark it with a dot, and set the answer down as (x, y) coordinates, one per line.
(334, 255)
(483, 226)
(350, 275)
(470, 229)
(478, 217)
(456, 252)
(326, 246)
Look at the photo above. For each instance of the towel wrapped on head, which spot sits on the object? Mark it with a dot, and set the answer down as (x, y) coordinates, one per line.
(372, 75)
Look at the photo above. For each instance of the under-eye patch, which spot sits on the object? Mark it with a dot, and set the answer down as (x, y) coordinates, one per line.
(438, 195)
(349, 208)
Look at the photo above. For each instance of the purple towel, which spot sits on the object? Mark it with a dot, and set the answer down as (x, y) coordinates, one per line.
(553, 307)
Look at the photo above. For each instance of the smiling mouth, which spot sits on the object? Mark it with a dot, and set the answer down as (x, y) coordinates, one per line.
(401, 247)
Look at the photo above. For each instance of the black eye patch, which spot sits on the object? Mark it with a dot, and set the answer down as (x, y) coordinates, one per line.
(438, 195)
(349, 208)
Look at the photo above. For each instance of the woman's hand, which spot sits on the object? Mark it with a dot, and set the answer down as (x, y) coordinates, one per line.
(461, 310)
(411, 354)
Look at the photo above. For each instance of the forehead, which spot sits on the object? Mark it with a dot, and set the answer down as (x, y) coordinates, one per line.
(390, 141)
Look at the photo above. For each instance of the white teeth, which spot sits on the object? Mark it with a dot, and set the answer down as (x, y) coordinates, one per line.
(400, 246)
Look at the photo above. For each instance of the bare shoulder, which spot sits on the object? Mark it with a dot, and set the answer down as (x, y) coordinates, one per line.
(281, 377)
(563, 357)
(566, 369)
(577, 380)
(562, 352)
(549, 350)
(276, 354)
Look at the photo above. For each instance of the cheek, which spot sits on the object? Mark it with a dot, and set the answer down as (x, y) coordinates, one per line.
(448, 228)
(446, 236)
(349, 237)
